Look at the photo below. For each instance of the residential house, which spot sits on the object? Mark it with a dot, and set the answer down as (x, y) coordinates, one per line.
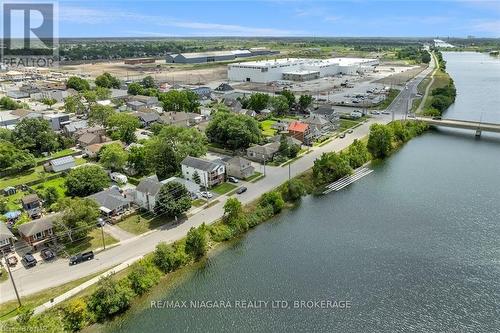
(58, 95)
(138, 101)
(263, 153)
(233, 104)
(119, 93)
(322, 123)
(17, 94)
(192, 187)
(93, 150)
(57, 120)
(239, 167)
(204, 172)
(73, 127)
(135, 105)
(224, 87)
(32, 204)
(298, 130)
(38, 231)
(147, 191)
(280, 126)
(181, 119)
(111, 202)
(202, 92)
(6, 238)
(60, 164)
(147, 118)
(90, 138)
(290, 140)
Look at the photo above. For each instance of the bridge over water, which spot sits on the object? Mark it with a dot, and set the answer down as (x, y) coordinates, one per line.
(477, 126)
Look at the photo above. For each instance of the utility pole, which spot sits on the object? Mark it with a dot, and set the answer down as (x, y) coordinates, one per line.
(101, 223)
(264, 158)
(289, 171)
(12, 278)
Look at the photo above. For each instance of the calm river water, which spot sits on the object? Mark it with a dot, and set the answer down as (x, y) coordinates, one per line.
(414, 246)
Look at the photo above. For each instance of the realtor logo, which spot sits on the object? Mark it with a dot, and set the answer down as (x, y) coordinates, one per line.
(29, 38)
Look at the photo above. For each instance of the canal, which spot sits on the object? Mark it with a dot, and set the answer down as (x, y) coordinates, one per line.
(413, 247)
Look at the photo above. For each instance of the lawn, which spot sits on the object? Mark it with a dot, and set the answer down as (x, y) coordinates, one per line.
(14, 201)
(58, 183)
(198, 202)
(267, 129)
(57, 154)
(8, 309)
(4, 275)
(91, 242)
(223, 188)
(252, 177)
(347, 123)
(146, 223)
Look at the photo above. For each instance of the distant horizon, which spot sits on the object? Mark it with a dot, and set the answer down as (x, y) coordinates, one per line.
(272, 37)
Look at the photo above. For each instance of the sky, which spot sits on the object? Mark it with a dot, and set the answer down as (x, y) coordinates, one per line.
(357, 18)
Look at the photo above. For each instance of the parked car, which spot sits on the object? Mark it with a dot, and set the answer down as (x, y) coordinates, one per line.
(232, 180)
(241, 190)
(437, 118)
(206, 194)
(386, 112)
(194, 196)
(81, 257)
(47, 254)
(342, 135)
(350, 131)
(28, 260)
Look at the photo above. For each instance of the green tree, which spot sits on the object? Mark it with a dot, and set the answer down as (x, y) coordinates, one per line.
(233, 131)
(173, 199)
(110, 298)
(136, 160)
(49, 101)
(148, 82)
(123, 126)
(305, 101)
(169, 257)
(280, 105)
(77, 83)
(135, 89)
(86, 180)
(196, 177)
(3, 206)
(15, 158)
(380, 140)
(9, 104)
(197, 242)
(258, 101)
(143, 276)
(234, 216)
(99, 114)
(290, 97)
(102, 93)
(165, 151)
(78, 217)
(357, 154)
(293, 190)
(330, 167)
(74, 104)
(75, 314)
(5, 134)
(272, 199)
(180, 100)
(50, 196)
(107, 80)
(113, 157)
(35, 135)
(90, 96)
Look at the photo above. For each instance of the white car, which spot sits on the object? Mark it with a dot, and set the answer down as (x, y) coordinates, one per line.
(206, 194)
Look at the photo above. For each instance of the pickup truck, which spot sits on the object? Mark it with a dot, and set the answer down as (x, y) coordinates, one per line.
(81, 257)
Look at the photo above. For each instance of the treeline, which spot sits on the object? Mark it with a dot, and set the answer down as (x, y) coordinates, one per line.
(382, 141)
(114, 295)
(414, 53)
(442, 97)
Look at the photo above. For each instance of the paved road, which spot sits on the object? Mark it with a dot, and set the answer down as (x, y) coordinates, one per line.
(50, 275)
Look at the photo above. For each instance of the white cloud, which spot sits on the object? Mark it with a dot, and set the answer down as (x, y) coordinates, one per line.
(491, 27)
(93, 16)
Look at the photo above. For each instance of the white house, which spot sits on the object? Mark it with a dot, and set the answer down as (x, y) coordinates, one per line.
(203, 172)
(146, 192)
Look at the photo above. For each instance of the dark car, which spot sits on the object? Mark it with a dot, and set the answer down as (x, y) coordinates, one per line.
(47, 254)
(81, 257)
(28, 260)
(241, 190)
(436, 118)
(342, 135)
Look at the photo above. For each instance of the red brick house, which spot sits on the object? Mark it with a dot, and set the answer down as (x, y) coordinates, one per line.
(298, 130)
(38, 231)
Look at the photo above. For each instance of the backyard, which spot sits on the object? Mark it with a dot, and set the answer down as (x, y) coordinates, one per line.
(91, 242)
(223, 188)
(143, 222)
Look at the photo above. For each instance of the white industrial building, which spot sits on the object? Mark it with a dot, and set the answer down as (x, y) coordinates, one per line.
(296, 69)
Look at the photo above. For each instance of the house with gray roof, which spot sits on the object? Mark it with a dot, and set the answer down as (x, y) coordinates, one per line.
(147, 191)
(263, 153)
(203, 172)
(239, 167)
(6, 238)
(111, 202)
(147, 118)
(38, 231)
